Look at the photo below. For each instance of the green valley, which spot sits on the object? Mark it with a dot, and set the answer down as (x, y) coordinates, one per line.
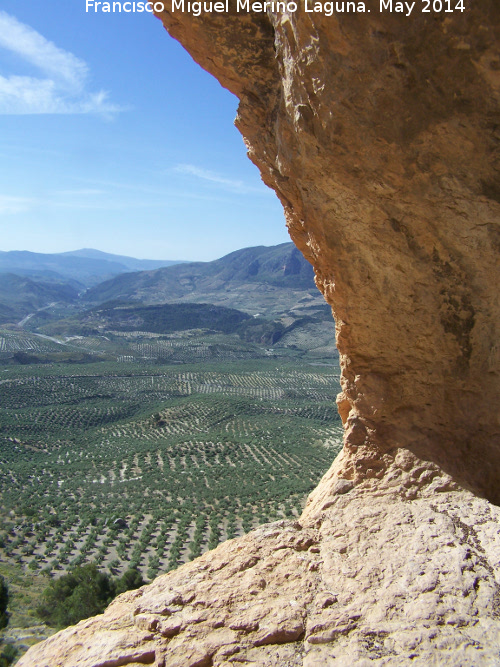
(139, 435)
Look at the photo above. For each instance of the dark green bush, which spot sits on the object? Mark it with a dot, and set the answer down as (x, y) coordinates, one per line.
(130, 580)
(8, 655)
(4, 601)
(84, 592)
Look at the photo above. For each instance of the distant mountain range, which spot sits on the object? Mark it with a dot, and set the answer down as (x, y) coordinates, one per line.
(261, 281)
(256, 280)
(262, 295)
(83, 268)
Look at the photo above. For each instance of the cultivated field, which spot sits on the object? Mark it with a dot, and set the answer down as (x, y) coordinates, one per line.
(132, 438)
(143, 465)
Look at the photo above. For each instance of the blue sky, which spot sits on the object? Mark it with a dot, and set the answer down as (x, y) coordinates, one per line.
(111, 137)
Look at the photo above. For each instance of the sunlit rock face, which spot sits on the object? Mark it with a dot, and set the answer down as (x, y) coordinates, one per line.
(380, 134)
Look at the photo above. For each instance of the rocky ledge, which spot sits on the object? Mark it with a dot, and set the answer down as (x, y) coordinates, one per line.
(384, 582)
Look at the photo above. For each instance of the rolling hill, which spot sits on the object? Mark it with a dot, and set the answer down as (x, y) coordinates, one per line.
(20, 296)
(161, 319)
(263, 295)
(259, 280)
(84, 267)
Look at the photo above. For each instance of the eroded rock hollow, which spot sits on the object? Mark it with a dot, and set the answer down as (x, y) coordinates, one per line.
(380, 134)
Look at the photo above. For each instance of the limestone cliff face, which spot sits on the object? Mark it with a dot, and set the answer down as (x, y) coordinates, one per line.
(380, 135)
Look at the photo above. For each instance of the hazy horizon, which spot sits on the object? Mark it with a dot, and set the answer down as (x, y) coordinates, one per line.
(111, 136)
(157, 259)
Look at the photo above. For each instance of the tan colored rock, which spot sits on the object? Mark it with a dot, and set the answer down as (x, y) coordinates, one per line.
(389, 582)
(380, 134)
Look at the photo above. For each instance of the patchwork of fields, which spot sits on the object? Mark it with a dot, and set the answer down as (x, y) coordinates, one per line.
(147, 418)
(141, 465)
(313, 341)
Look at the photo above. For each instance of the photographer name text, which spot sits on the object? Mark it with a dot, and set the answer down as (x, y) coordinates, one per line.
(328, 8)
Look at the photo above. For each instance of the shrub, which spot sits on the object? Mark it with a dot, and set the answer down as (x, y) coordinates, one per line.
(130, 580)
(8, 655)
(84, 592)
(4, 601)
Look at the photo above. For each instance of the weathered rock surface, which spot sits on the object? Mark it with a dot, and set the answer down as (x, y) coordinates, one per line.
(380, 134)
(389, 582)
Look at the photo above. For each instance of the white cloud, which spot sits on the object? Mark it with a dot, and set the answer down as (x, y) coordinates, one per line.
(83, 192)
(63, 88)
(10, 205)
(33, 47)
(212, 177)
(207, 175)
